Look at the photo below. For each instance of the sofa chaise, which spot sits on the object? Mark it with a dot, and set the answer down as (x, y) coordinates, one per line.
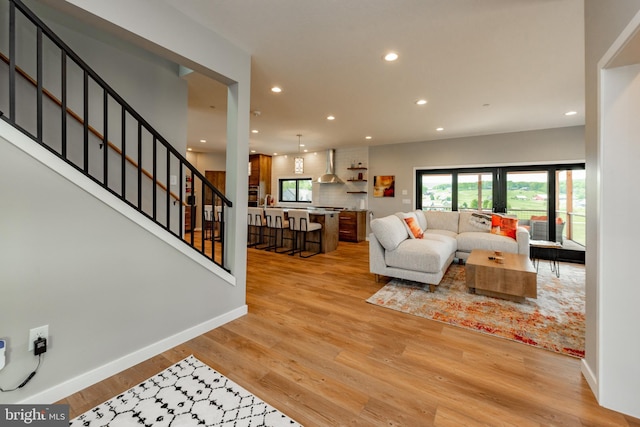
(420, 245)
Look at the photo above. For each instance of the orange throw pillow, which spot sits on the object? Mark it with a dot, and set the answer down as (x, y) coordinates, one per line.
(504, 226)
(414, 227)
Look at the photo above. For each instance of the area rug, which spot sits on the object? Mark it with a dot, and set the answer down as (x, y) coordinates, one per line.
(188, 393)
(554, 321)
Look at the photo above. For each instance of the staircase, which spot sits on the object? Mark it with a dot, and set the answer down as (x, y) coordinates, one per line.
(78, 117)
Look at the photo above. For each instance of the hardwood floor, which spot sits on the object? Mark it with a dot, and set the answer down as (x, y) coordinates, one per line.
(313, 348)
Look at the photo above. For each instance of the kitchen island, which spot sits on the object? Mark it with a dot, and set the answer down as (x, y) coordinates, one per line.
(330, 230)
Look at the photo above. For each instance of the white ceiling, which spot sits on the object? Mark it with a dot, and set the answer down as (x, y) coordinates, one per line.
(484, 66)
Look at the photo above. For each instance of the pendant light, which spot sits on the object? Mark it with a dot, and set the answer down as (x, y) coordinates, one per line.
(298, 166)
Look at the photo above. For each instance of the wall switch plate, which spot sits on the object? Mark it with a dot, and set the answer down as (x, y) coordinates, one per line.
(173, 180)
(35, 333)
(406, 201)
(404, 192)
(3, 347)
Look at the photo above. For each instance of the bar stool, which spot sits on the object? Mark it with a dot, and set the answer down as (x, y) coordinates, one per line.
(256, 223)
(217, 218)
(301, 226)
(276, 224)
(207, 227)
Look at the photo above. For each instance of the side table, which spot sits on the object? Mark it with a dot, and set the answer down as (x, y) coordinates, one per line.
(535, 247)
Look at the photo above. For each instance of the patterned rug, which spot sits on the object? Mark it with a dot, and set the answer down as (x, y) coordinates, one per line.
(554, 321)
(188, 393)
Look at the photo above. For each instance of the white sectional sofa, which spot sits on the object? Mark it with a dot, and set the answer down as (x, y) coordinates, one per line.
(394, 250)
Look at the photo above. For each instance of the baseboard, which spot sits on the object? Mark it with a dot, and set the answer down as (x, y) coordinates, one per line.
(94, 376)
(591, 379)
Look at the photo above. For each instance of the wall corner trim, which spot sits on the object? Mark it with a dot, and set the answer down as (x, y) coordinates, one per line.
(589, 376)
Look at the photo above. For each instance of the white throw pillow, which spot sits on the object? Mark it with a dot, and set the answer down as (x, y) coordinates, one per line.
(480, 221)
(389, 231)
(422, 220)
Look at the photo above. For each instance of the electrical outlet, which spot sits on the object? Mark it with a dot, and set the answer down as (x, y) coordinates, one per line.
(35, 333)
(3, 347)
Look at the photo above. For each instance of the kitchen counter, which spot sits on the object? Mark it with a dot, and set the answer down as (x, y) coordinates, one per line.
(338, 224)
(330, 229)
(330, 226)
(352, 225)
(333, 209)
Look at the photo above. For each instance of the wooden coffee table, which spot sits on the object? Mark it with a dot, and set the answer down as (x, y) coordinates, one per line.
(514, 280)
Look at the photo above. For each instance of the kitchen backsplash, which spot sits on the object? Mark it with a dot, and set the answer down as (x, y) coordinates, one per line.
(334, 195)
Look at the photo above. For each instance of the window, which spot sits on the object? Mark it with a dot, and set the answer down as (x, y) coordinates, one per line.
(436, 191)
(549, 199)
(571, 204)
(528, 194)
(296, 190)
(475, 191)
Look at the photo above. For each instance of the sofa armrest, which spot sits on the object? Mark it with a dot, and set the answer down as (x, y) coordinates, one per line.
(522, 237)
(376, 255)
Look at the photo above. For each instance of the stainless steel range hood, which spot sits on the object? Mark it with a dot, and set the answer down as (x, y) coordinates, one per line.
(330, 176)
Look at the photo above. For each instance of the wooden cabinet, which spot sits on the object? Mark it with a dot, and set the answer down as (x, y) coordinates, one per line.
(353, 226)
(218, 179)
(188, 218)
(260, 177)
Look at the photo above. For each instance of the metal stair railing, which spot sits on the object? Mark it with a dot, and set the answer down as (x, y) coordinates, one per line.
(108, 140)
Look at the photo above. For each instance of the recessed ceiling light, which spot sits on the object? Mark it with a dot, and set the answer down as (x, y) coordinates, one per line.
(570, 113)
(421, 101)
(301, 145)
(275, 154)
(306, 151)
(203, 140)
(331, 118)
(276, 89)
(189, 149)
(254, 131)
(367, 137)
(253, 151)
(391, 56)
(439, 129)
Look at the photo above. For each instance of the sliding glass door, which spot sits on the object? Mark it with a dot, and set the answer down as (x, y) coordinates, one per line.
(475, 191)
(528, 199)
(571, 204)
(549, 200)
(436, 191)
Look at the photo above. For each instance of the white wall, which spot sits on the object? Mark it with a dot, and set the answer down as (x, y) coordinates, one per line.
(171, 35)
(604, 22)
(618, 291)
(150, 84)
(112, 292)
(207, 161)
(533, 147)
